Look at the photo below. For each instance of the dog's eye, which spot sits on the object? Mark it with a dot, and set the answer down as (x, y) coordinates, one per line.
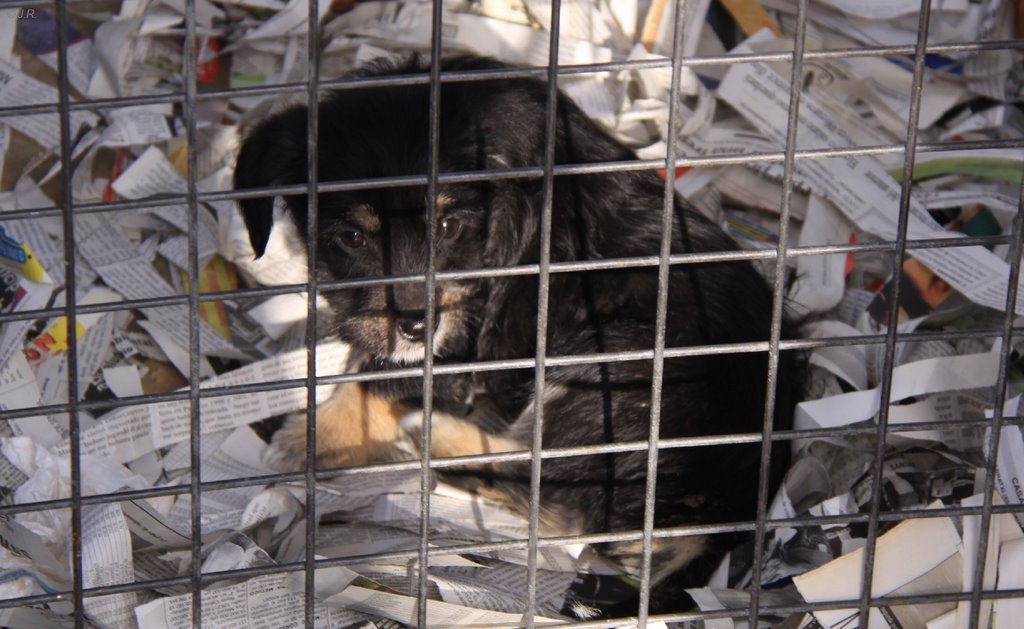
(450, 228)
(353, 239)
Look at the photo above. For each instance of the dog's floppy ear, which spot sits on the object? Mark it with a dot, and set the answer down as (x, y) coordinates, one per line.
(516, 139)
(512, 225)
(272, 154)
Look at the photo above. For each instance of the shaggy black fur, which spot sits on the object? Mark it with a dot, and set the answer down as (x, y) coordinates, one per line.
(382, 132)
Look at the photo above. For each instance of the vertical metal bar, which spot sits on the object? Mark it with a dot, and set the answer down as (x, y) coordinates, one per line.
(778, 305)
(433, 167)
(889, 363)
(188, 113)
(70, 288)
(661, 316)
(1006, 352)
(312, 231)
(543, 290)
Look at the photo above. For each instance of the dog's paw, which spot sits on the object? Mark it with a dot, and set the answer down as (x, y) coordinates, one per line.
(443, 427)
(412, 425)
(452, 436)
(287, 449)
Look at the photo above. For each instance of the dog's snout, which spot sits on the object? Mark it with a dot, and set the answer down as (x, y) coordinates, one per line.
(409, 300)
(413, 329)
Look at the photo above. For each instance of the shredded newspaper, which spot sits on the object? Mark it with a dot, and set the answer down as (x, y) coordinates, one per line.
(133, 48)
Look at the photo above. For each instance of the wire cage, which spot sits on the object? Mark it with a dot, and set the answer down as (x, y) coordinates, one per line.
(88, 493)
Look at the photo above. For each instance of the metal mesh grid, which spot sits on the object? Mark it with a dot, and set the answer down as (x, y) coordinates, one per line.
(189, 99)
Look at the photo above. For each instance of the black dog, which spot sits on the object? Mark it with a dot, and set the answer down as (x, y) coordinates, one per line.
(368, 133)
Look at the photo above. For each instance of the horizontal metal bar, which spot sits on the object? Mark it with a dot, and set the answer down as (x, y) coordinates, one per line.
(281, 89)
(517, 173)
(264, 292)
(546, 542)
(499, 365)
(620, 166)
(552, 453)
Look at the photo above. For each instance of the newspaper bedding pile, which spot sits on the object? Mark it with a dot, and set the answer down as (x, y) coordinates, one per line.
(134, 48)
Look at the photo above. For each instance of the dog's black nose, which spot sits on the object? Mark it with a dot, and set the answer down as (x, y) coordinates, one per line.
(412, 329)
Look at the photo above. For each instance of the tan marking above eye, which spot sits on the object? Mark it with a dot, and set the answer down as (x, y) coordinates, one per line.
(365, 217)
(443, 201)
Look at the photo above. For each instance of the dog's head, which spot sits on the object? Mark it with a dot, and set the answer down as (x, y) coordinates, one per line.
(383, 233)
(373, 232)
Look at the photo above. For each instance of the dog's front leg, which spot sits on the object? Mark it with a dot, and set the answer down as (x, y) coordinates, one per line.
(353, 427)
